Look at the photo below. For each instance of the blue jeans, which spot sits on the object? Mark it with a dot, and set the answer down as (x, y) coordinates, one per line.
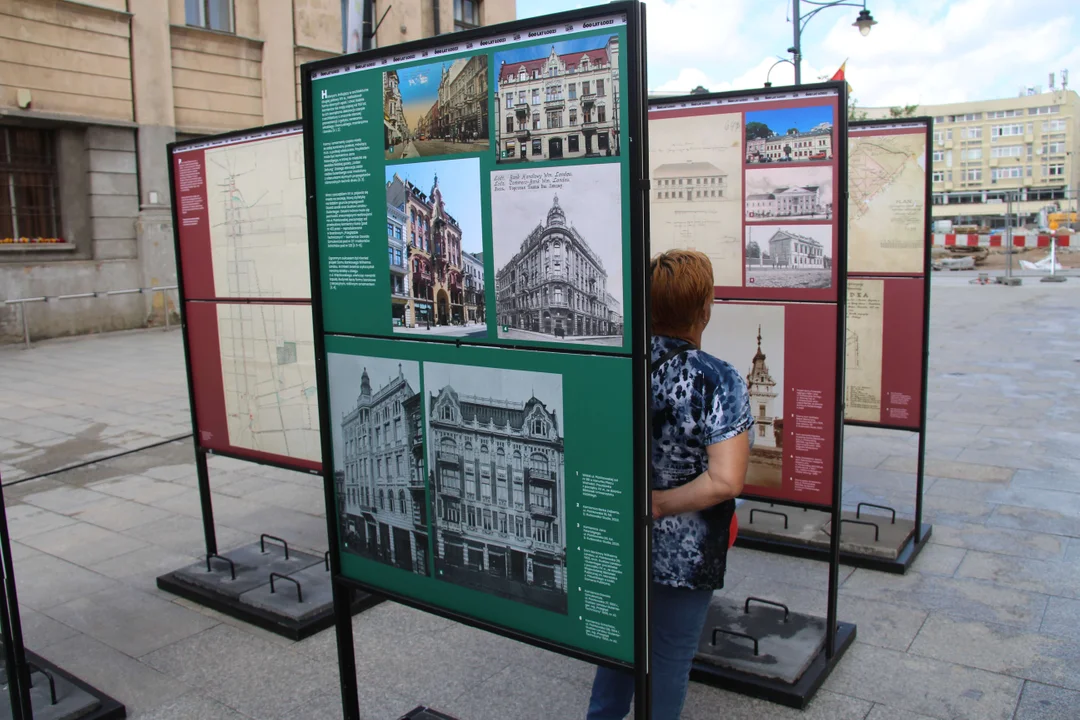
(678, 616)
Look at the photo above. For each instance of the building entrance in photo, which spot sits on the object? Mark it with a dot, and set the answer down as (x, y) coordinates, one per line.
(442, 314)
(497, 561)
(555, 148)
(384, 542)
(547, 323)
(403, 549)
(517, 565)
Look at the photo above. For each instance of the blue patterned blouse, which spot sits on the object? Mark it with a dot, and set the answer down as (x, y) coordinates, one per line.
(697, 400)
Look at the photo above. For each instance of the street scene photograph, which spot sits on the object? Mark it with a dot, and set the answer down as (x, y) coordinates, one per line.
(751, 337)
(436, 109)
(495, 449)
(783, 193)
(789, 256)
(435, 247)
(559, 101)
(379, 459)
(790, 135)
(557, 243)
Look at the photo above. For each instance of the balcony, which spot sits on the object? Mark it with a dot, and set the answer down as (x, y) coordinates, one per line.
(544, 511)
(554, 104)
(588, 99)
(447, 457)
(546, 477)
(521, 109)
(449, 490)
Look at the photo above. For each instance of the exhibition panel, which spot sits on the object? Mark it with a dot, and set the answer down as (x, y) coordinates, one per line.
(482, 371)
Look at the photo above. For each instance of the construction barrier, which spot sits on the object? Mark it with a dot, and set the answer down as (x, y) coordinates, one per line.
(1020, 241)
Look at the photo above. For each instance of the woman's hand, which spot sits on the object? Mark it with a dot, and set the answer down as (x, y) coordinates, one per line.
(657, 511)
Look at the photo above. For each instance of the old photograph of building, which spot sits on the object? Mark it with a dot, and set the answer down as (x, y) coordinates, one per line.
(559, 101)
(782, 193)
(696, 195)
(436, 109)
(557, 243)
(801, 134)
(751, 337)
(433, 224)
(378, 455)
(497, 476)
(789, 256)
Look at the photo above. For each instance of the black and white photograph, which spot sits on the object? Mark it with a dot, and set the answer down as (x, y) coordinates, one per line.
(558, 101)
(436, 109)
(751, 337)
(375, 406)
(789, 256)
(495, 449)
(557, 249)
(792, 134)
(783, 193)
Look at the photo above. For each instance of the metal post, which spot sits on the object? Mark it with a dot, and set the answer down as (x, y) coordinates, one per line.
(25, 325)
(1008, 236)
(17, 667)
(203, 471)
(797, 54)
(165, 306)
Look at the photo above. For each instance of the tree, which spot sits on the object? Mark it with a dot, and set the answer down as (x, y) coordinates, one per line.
(787, 150)
(793, 131)
(902, 111)
(756, 130)
(699, 90)
(753, 250)
(853, 110)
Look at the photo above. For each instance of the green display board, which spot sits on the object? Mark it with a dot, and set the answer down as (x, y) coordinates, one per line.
(478, 212)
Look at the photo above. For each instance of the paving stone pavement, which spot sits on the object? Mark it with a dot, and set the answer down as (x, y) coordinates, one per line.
(984, 627)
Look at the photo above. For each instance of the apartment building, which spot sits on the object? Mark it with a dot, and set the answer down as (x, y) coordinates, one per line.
(987, 152)
(90, 94)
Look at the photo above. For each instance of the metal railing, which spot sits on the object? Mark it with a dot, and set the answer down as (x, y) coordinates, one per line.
(22, 302)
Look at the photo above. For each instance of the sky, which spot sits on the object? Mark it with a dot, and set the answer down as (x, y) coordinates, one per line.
(542, 50)
(459, 182)
(419, 86)
(802, 119)
(346, 373)
(500, 384)
(921, 51)
(731, 335)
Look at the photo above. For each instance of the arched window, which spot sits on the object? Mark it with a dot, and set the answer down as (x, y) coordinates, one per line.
(401, 501)
(539, 427)
(391, 494)
(517, 459)
(382, 500)
(538, 462)
(469, 455)
(448, 445)
(446, 412)
(485, 454)
(500, 457)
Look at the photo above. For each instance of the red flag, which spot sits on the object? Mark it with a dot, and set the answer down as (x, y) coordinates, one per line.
(839, 74)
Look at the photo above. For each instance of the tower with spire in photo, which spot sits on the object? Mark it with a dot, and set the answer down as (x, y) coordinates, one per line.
(762, 391)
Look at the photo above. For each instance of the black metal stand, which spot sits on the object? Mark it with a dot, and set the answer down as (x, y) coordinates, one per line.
(909, 551)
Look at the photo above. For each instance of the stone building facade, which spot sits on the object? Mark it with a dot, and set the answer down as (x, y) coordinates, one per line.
(763, 392)
(498, 482)
(385, 515)
(436, 287)
(398, 252)
(795, 201)
(463, 98)
(555, 106)
(688, 182)
(474, 288)
(794, 147)
(788, 249)
(555, 284)
(395, 127)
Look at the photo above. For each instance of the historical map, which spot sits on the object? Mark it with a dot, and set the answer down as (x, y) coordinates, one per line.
(886, 203)
(268, 371)
(258, 219)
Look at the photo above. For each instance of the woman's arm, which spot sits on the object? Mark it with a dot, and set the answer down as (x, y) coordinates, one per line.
(722, 480)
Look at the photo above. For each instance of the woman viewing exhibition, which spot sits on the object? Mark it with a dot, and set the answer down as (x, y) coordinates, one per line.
(700, 448)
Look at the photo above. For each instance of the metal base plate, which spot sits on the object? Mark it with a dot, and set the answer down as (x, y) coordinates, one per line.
(248, 597)
(75, 699)
(425, 713)
(807, 535)
(797, 695)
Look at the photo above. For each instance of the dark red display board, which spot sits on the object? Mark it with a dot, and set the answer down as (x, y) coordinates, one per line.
(786, 352)
(240, 210)
(897, 383)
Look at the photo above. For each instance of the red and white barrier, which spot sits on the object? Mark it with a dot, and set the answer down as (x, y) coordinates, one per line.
(1020, 241)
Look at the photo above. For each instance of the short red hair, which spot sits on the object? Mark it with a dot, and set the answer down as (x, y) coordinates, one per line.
(682, 282)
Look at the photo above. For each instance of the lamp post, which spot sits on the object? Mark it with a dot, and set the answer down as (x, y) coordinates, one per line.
(768, 75)
(864, 22)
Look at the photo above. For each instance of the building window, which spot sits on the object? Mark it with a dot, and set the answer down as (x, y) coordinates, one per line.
(1047, 110)
(509, 123)
(600, 88)
(209, 14)
(1051, 125)
(28, 196)
(536, 121)
(466, 14)
(572, 140)
(536, 96)
(601, 114)
(537, 145)
(509, 100)
(1056, 170)
(573, 116)
(572, 88)
(973, 175)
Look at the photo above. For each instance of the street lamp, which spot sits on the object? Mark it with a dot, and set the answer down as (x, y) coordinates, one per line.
(864, 22)
(768, 75)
